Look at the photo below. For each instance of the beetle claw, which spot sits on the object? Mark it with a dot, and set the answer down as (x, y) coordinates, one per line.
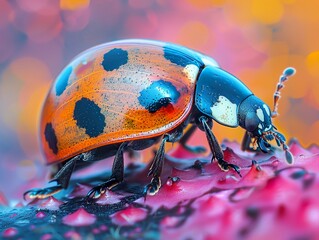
(95, 192)
(225, 166)
(153, 187)
(235, 168)
(42, 192)
(263, 145)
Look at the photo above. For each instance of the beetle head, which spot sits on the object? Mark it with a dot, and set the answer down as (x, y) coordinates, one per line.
(255, 116)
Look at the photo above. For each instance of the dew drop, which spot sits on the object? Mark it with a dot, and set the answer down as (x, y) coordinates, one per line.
(301, 156)
(52, 219)
(171, 180)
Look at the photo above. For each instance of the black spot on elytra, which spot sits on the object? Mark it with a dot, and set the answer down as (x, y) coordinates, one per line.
(62, 81)
(88, 116)
(163, 102)
(159, 94)
(180, 56)
(114, 59)
(51, 138)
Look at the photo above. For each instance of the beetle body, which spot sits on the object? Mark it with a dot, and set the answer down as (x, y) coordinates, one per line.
(128, 94)
(117, 92)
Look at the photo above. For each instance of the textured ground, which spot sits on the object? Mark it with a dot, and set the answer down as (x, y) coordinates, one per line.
(197, 201)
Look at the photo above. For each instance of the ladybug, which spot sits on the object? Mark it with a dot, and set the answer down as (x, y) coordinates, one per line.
(127, 95)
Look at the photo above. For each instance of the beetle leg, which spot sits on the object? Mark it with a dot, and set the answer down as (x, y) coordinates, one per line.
(117, 175)
(62, 178)
(245, 145)
(216, 149)
(156, 169)
(183, 141)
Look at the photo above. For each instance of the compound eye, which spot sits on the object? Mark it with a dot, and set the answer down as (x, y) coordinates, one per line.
(251, 122)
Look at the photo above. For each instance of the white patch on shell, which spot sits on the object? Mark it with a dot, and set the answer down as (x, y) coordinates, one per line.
(260, 126)
(225, 112)
(260, 114)
(191, 71)
(266, 109)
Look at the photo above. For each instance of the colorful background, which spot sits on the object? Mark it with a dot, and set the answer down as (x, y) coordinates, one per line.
(253, 39)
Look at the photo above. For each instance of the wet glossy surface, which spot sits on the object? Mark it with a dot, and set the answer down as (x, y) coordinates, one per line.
(115, 92)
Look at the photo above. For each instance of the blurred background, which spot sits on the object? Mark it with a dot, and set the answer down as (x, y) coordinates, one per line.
(253, 39)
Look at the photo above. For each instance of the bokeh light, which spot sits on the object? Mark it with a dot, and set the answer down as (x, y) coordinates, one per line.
(255, 40)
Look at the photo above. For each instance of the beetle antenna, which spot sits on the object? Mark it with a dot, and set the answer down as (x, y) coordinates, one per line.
(284, 77)
(282, 142)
